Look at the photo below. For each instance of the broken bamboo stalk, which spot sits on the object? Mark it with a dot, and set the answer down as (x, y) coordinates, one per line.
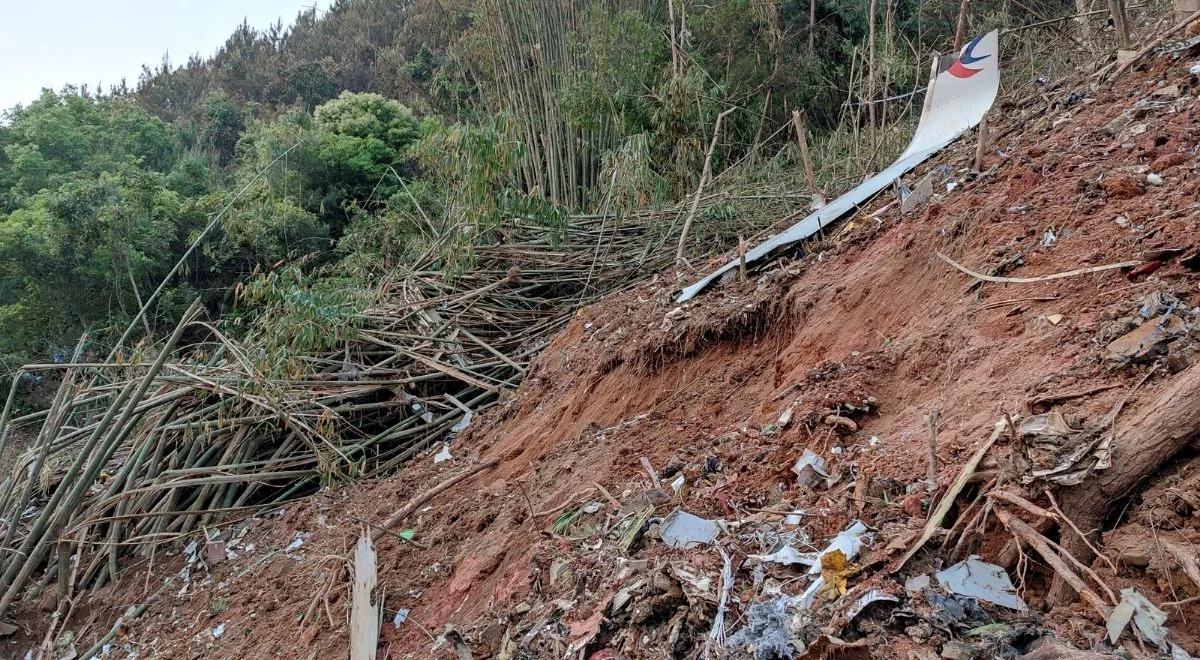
(705, 173)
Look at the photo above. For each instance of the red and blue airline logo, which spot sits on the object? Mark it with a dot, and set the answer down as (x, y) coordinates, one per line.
(961, 67)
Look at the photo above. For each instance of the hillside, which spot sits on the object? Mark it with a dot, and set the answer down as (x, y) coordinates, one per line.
(550, 544)
(315, 348)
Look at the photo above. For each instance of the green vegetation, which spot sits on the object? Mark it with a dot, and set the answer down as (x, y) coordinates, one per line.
(343, 146)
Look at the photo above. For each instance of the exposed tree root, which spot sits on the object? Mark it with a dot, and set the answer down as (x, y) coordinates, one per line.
(1159, 430)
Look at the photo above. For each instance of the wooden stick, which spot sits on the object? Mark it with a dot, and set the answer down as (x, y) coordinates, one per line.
(931, 471)
(1117, 9)
(960, 31)
(742, 258)
(805, 157)
(947, 501)
(981, 147)
(1040, 278)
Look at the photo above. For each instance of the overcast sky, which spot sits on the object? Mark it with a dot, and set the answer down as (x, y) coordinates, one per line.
(50, 43)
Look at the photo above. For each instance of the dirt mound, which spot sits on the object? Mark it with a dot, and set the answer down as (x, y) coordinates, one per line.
(853, 348)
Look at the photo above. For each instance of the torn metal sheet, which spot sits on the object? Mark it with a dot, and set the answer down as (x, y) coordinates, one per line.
(684, 530)
(849, 541)
(789, 556)
(1146, 616)
(983, 581)
(961, 91)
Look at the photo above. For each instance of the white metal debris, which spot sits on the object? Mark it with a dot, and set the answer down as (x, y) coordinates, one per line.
(872, 596)
(849, 541)
(983, 581)
(443, 455)
(684, 530)
(788, 556)
(809, 469)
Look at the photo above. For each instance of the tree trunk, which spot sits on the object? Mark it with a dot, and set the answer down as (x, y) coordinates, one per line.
(1158, 431)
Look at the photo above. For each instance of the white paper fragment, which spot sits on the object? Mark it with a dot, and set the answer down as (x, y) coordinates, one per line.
(794, 519)
(443, 455)
(809, 469)
(400, 618)
(684, 530)
(788, 556)
(983, 581)
(218, 631)
(872, 596)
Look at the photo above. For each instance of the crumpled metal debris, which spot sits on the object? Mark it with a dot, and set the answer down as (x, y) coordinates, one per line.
(810, 469)
(847, 543)
(771, 631)
(789, 556)
(1146, 339)
(1146, 617)
(684, 530)
(1060, 454)
(872, 596)
(983, 581)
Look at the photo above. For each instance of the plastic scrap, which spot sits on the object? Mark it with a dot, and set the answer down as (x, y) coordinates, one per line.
(218, 631)
(809, 469)
(983, 581)
(684, 530)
